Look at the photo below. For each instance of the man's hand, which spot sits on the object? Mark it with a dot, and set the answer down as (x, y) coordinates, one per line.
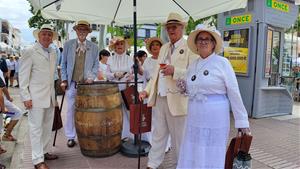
(142, 95)
(89, 81)
(167, 70)
(10, 99)
(64, 85)
(28, 104)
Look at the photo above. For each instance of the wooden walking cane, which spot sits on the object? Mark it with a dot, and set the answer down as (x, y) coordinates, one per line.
(59, 112)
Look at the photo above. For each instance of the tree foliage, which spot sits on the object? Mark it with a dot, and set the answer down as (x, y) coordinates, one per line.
(210, 20)
(126, 32)
(37, 20)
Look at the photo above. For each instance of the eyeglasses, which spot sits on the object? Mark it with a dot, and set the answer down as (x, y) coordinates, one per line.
(204, 41)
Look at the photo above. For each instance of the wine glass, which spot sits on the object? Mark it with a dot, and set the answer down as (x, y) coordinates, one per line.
(164, 62)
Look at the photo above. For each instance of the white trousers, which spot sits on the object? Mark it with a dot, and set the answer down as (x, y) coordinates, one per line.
(40, 122)
(11, 107)
(69, 127)
(165, 125)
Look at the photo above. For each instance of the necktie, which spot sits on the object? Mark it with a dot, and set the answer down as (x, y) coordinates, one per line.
(172, 47)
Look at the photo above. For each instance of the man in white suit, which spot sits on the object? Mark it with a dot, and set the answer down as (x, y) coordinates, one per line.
(162, 92)
(36, 76)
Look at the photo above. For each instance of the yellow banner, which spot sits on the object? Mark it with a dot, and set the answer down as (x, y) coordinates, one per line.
(238, 58)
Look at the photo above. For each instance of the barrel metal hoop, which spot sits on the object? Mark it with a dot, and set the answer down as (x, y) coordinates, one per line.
(106, 93)
(99, 137)
(97, 110)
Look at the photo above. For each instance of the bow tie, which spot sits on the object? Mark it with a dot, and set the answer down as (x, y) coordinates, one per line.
(81, 47)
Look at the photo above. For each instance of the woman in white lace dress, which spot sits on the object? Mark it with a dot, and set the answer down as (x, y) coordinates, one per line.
(212, 88)
(119, 69)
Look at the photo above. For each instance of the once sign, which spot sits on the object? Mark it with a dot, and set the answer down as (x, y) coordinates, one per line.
(242, 19)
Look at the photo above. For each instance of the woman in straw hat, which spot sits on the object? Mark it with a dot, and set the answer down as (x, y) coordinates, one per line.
(153, 46)
(119, 69)
(211, 87)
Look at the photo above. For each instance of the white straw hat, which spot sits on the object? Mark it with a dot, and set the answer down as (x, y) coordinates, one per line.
(214, 33)
(113, 41)
(45, 27)
(175, 18)
(83, 23)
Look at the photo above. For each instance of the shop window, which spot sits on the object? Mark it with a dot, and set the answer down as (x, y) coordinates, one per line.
(236, 47)
(272, 58)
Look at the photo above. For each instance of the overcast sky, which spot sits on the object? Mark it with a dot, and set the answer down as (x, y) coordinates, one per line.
(17, 13)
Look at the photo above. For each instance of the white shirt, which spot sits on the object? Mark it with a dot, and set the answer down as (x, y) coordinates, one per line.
(148, 69)
(102, 68)
(215, 75)
(16, 66)
(119, 63)
(162, 88)
(10, 64)
(149, 66)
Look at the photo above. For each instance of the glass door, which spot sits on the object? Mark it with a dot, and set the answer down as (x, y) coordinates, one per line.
(273, 57)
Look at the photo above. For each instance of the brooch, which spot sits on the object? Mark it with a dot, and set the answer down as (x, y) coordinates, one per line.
(193, 78)
(206, 72)
(181, 51)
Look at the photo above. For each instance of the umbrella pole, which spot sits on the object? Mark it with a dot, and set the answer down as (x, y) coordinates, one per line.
(136, 147)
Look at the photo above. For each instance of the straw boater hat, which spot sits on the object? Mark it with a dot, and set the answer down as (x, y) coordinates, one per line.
(116, 39)
(45, 27)
(214, 33)
(174, 18)
(83, 23)
(150, 41)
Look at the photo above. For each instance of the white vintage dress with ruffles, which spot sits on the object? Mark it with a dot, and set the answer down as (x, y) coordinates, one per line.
(211, 94)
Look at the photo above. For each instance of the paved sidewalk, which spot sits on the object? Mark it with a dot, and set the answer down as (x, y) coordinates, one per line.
(276, 145)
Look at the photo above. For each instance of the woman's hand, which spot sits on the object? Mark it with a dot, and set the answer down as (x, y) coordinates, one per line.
(245, 131)
(119, 75)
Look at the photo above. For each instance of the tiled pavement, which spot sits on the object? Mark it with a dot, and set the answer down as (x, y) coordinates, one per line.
(276, 144)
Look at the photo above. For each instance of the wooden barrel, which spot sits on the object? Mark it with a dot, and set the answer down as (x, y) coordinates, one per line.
(98, 119)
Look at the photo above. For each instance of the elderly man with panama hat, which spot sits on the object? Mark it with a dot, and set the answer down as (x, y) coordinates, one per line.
(79, 65)
(36, 78)
(162, 91)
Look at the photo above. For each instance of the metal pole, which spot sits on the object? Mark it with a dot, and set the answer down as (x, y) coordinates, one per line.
(137, 137)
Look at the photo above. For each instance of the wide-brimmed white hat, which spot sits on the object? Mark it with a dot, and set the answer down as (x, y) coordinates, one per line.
(113, 41)
(174, 18)
(214, 33)
(83, 23)
(150, 41)
(45, 27)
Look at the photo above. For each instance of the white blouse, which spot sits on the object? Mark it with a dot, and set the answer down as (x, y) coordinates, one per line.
(148, 69)
(119, 63)
(149, 66)
(215, 75)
